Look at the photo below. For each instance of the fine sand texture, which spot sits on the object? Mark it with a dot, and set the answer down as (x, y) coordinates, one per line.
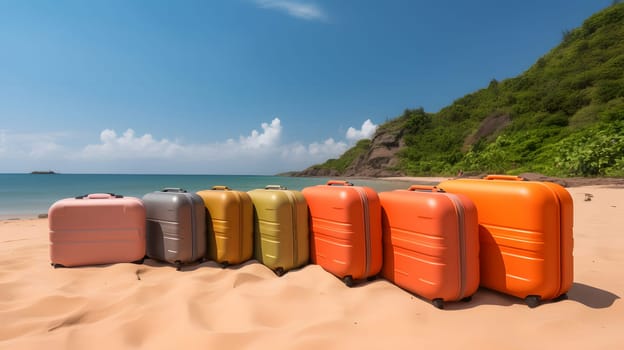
(153, 306)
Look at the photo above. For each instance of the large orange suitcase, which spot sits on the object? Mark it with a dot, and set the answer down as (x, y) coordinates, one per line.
(345, 225)
(99, 228)
(431, 243)
(229, 225)
(525, 232)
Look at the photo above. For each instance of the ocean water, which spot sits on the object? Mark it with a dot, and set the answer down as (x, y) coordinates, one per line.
(28, 195)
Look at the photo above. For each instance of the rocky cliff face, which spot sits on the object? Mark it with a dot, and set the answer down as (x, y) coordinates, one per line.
(379, 161)
(381, 158)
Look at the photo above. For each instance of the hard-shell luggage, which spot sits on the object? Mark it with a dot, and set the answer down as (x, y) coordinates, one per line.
(431, 243)
(525, 235)
(99, 228)
(229, 220)
(281, 239)
(345, 227)
(176, 226)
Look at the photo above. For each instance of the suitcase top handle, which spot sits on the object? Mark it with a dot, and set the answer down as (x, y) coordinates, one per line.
(425, 188)
(505, 177)
(339, 182)
(275, 187)
(99, 196)
(173, 189)
(220, 188)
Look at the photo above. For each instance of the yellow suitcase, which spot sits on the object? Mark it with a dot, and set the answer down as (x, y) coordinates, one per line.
(229, 225)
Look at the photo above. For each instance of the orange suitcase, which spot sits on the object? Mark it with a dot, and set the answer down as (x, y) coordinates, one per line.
(94, 229)
(345, 228)
(431, 243)
(525, 232)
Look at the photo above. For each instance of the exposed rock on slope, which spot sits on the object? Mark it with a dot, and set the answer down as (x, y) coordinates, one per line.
(381, 159)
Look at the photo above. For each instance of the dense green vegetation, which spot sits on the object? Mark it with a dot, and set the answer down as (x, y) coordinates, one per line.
(564, 116)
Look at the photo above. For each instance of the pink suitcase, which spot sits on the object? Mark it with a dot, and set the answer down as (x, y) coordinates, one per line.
(95, 229)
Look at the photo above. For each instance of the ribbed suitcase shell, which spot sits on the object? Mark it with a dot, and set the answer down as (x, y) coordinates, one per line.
(95, 229)
(345, 229)
(229, 220)
(525, 235)
(281, 239)
(176, 226)
(431, 243)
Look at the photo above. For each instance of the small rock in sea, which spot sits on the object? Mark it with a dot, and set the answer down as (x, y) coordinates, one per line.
(42, 216)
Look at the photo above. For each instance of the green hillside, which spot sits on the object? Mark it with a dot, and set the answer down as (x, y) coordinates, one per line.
(564, 116)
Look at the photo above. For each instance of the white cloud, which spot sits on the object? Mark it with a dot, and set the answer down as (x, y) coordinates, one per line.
(269, 137)
(261, 151)
(43, 149)
(33, 145)
(296, 9)
(257, 152)
(328, 147)
(317, 151)
(366, 132)
(129, 146)
(3, 141)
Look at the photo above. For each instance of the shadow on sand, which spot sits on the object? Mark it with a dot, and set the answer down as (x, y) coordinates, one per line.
(589, 296)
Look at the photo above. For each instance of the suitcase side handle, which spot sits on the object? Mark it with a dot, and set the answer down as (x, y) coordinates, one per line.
(275, 187)
(220, 188)
(173, 189)
(99, 196)
(339, 182)
(425, 188)
(505, 177)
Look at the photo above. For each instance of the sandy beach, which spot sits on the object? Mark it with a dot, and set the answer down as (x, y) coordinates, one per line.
(153, 306)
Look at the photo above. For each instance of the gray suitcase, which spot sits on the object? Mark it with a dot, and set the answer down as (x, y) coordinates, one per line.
(176, 226)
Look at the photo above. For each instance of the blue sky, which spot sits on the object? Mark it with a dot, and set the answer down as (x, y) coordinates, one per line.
(244, 86)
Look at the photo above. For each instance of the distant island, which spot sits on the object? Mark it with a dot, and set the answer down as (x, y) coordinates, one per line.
(48, 172)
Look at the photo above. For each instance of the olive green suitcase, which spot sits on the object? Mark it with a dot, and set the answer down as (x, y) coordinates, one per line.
(281, 239)
(229, 225)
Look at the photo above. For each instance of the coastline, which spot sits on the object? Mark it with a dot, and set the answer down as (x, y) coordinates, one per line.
(400, 182)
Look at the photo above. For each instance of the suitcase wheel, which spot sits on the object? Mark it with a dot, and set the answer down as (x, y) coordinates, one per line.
(279, 271)
(371, 278)
(532, 301)
(563, 296)
(56, 266)
(178, 265)
(438, 303)
(225, 264)
(348, 281)
(467, 299)
(139, 262)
